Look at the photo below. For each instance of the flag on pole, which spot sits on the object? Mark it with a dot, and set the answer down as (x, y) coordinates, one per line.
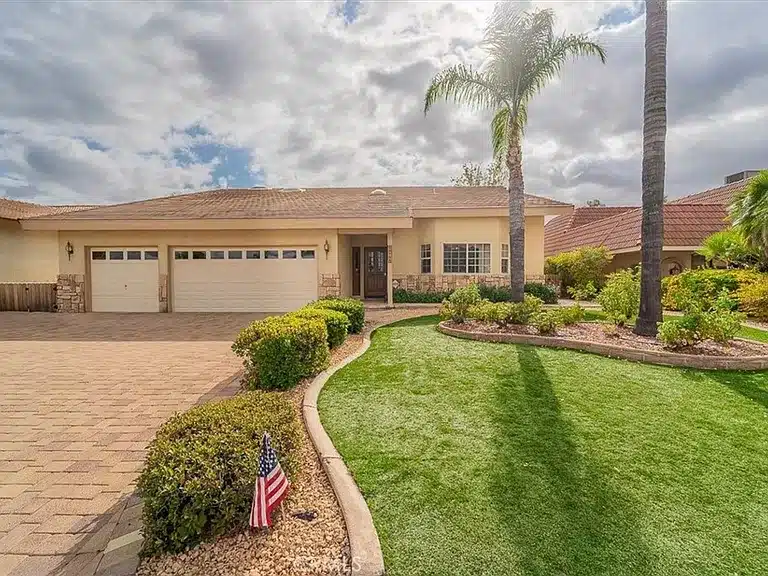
(271, 486)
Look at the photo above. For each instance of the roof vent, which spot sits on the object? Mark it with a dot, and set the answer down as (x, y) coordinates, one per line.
(378, 192)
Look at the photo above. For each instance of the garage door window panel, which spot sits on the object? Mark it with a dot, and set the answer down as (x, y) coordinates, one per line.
(99, 255)
(198, 254)
(150, 254)
(271, 254)
(116, 255)
(253, 254)
(235, 254)
(134, 254)
(181, 255)
(307, 254)
(289, 254)
(217, 254)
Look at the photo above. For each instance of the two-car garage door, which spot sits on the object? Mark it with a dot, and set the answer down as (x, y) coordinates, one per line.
(239, 279)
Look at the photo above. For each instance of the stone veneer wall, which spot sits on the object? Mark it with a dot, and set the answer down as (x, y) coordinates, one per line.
(162, 292)
(330, 285)
(449, 282)
(70, 293)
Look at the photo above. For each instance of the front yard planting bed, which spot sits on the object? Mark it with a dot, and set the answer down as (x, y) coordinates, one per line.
(499, 459)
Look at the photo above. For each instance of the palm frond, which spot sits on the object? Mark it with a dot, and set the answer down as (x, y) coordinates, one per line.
(549, 62)
(500, 127)
(466, 86)
(749, 212)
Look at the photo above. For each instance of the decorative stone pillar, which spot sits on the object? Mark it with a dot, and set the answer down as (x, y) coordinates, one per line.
(162, 292)
(70, 293)
(330, 285)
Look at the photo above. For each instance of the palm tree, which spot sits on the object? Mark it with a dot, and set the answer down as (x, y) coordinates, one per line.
(749, 213)
(654, 137)
(524, 54)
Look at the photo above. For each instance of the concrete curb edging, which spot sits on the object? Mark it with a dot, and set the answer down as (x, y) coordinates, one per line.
(660, 357)
(364, 545)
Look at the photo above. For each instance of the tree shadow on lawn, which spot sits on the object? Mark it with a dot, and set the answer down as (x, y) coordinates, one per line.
(751, 385)
(559, 508)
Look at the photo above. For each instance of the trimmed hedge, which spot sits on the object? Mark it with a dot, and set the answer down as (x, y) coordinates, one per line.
(543, 292)
(354, 309)
(753, 299)
(198, 478)
(336, 323)
(504, 313)
(279, 351)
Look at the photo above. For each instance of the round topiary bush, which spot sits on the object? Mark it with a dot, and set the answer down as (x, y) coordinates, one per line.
(337, 323)
(198, 478)
(354, 310)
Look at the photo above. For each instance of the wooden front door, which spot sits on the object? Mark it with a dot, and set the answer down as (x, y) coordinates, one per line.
(376, 272)
(356, 271)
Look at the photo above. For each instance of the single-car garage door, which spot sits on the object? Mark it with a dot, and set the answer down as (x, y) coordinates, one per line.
(243, 279)
(124, 280)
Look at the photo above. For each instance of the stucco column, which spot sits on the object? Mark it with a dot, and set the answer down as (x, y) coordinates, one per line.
(389, 269)
(162, 280)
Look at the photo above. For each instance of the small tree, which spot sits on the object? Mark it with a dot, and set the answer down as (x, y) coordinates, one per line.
(495, 174)
(595, 202)
(729, 247)
(578, 268)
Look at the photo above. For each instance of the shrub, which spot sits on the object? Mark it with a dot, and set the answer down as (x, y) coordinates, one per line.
(705, 286)
(336, 323)
(198, 478)
(753, 299)
(579, 267)
(546, 322)
(586, 292)
(719, 323)
(461, 300)
(354, 310)
(543, 292)
(279, 351)
(620, 297)
(570, 315)
(504, 313)
(401, 296)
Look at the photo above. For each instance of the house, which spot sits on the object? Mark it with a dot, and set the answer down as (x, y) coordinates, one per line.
(272, 250)
(28, 255)
(687, 223)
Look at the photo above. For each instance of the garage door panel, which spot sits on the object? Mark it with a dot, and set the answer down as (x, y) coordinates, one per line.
(243, 284)
(122, 285)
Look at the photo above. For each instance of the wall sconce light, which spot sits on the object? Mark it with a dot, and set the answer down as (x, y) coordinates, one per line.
(327, 248)
(70, 250)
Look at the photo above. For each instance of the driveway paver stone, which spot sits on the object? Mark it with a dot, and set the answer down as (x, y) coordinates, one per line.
(80, 397)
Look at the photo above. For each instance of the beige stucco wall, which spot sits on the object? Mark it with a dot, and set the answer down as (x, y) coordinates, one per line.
(27, 255)
(165, 239)
(668, 258)
(439, 231)
(345, 264)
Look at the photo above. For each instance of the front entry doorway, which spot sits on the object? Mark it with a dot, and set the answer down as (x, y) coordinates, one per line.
(375, 272)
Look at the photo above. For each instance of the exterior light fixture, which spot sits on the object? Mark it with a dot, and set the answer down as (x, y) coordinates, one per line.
(327, 248)
(70, 250)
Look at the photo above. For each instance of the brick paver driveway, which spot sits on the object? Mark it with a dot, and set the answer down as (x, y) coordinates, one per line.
(80, 397)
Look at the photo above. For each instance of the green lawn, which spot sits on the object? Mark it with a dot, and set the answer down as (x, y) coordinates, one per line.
(745, 332)
(491, 459)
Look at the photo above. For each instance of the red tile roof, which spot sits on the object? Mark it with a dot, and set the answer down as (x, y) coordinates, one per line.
(721, 195)
(580, 216)
(684, 225)
(16, 209)
(306, 203)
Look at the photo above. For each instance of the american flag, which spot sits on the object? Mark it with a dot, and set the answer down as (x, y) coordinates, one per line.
(271, 486)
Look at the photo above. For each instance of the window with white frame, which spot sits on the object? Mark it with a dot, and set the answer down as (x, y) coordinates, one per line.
(505, 258)
(426, 259)
(467, 258)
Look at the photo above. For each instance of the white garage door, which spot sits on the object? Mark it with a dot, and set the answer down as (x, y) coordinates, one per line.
(243, 279)
(124, 280)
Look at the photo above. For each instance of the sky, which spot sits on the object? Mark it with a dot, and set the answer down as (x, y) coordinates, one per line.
(116, 101)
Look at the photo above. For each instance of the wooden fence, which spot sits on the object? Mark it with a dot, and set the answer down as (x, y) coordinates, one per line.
(28, 296)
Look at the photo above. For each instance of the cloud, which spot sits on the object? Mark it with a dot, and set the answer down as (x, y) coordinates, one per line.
(109, 102)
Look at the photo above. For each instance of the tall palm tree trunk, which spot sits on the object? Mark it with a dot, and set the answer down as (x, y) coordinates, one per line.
(516, 193)
(654, 136)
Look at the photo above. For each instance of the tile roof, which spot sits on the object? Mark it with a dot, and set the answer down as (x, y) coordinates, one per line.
(684, 225)
(16, 209)
(305, 203)
(581, 215)
(721, 195)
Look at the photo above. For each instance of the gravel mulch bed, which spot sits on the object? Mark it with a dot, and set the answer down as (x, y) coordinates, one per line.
(593, 332)
(293, 546)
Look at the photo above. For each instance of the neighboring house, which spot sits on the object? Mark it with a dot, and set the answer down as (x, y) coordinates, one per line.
(272, 250)
(687, 222)
(28, 255)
